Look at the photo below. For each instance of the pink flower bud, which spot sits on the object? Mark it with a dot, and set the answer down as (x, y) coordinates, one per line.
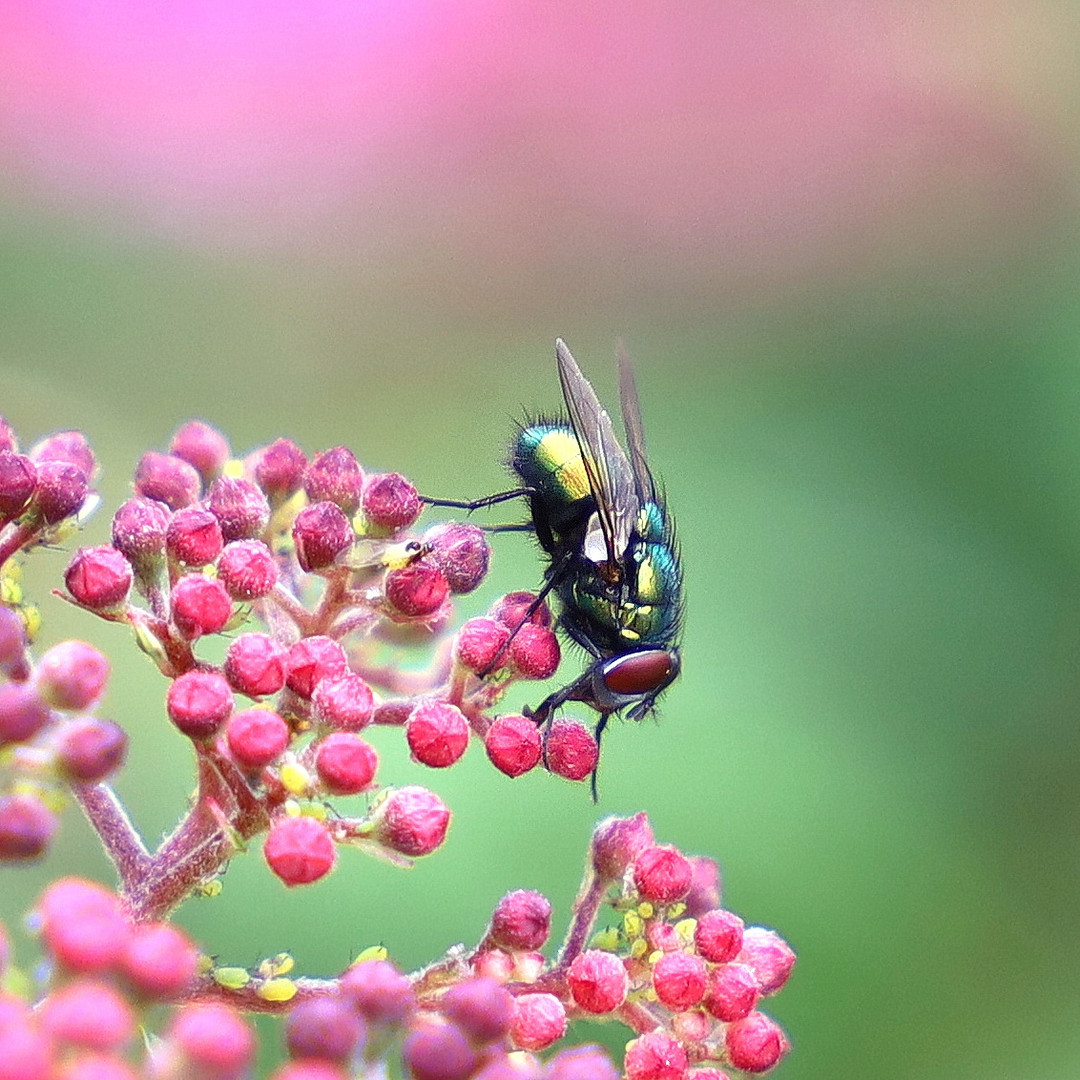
(662, 874)
(8, 441)
(312, 659)
(168, 479)
(13, 662)
(193, 537)
(378, 991)
(570, 749)
(461, 551)
(30, 1048)
(198, 703)
(213, 1040)
(538, 1021)
(534, 652)
(438, 1052)
(511, 609)
(513, 744)
(617, 842)
(321, 532)
(344, 702)
(478, 643)
(299, 850)
(335, 476)
(18, 482)
(598, 981)
(768, 955)
(247, 569)
(279, 470)
(90, 749)
(200, 606)
(240, 507)
(412, 821)
(732, 991)
(88, 1013)
(417, 590)
(323, 1028)
(26, 827)
(755, 1043)
(82, 925)
(159, 960)
(255, 665)
(521, 921)
(98, 578)
(679, 980)
(390, 502)
(704, 894)
(72, 676)
(718, 935)
(346, 764)
(581, 1063)
(310, 1069)
(437, 733)
(61, 491)
(69, 447)
(203, 447)
(480, 1007)
(256, 737)
(138, 532)
(655, 1056)
(22, 712)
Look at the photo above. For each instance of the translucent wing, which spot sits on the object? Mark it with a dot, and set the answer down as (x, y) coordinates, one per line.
(635, 431)
(610, 474)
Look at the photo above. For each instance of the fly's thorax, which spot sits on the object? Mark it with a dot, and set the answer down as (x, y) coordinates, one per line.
(652, 524)
(547, 457)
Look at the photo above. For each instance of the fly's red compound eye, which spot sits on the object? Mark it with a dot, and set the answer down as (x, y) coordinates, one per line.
(643, 672)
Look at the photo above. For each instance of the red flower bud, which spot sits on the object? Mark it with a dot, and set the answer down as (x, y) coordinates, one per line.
(255, 665)
(324, 1029)
(26, 827)
(98, 577)
(69, 447)
(534, 652)
(598, 981)
(335, 476)
(213, 1040)
(13, 662)
(279, 470)
(438, 1052)
(655, 1056)
(679, 980)
(256, 737)
(570, 749)
(321, 533)
(768, 955)
(521, 921)
(90, 749)
(72, 676)
(480, 1007)
(538, 1021)
(755, 1043)
(88, 1013)
(582, 1063)
(200, 606)
(718, 935)
(240, 507)
(662, 874)
(198, 703)
(346, 764)
(193, 537)
(437, 733)
(417, 590)
(203, 447)
(82, 925)
(159, 960)
(61, 491)
(18, 482)
(390, 502)
(8, 441)
(704, 894)
(732, 991)
(167, 479)
(461, 551)
(312, 659)
(247, 569)
(139, 527)
(617, 842)
(513, 744)
(378, 991)
(299, 850)
(412, 821)
(478, 643)
(22, 712)
(344, 702)
(510, 610)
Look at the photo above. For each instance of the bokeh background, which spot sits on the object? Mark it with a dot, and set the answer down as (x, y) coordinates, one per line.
(840, 240)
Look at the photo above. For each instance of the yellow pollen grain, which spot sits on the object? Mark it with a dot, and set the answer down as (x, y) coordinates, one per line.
(295, 779)
(656, 956)
(632, 924)
(646, 910)
(638, 948)
(685, 929)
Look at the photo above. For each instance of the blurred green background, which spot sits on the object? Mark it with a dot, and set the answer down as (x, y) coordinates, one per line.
(840, 242)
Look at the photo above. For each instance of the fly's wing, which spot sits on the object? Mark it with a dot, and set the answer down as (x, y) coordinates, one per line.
(635, 431)
(610, 474)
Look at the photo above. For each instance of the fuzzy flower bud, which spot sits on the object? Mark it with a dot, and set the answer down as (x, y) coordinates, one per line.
(768, 955)
(256, 737)
(417, 590)
(139, 527)
(99, 578)
(200, 606)
(513, 744)
(247, 570)
(90, 749)
(72, 676)
(378, 991)
(570, 749)
(480, 1007)
(167, 479)
(299, 850)
(312, 659)
(617, 842)
(679, 980)
(212, 1042)
(69, 447)
(513, 608)
(321, 532)
(755, 1043)
(437, 733)
(159, 960)
(662, 874)
(479, 643)
(203, 447)
(520, 922)
(581, 1063)
(718, 935)
(327, 1029)
(255, 664)
(82, 925)
(390, 502)
(344, 702)
(732, 991)
(88, 1013)
(279, 470)
(598, 981)
(18, 481)
(538, 1021)
(438, 1052)
(240, 507)
(193, 537)
(461, 551)
(8, 440)
(655, 1056)
(198, 703)
(13, 662)
(335, 476)
(22, 712)
(61, 491)
(26, 827)
(346, 764)
(534, 652)
(412, 821)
